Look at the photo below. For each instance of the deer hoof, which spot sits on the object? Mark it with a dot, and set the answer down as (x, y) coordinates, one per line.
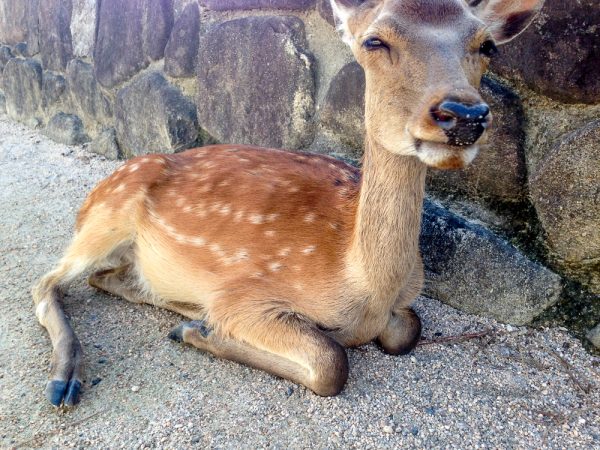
(63, 392)
(177, 333)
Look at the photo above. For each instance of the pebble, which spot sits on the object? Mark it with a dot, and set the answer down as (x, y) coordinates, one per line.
(135, 388)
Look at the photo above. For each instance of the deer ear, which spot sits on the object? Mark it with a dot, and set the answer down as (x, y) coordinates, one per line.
(506, 19)
(342, 11)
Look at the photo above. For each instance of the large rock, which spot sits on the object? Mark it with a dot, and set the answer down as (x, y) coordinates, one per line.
(223, 5)
(255, 82)
(66, 129)
(83, 24)
(86, 97)
(55, 33)
(53, 88)
(559, 55)
(22, 82)
(499, 172)
(19, 23)
(128, 36)
(342, 112)
(181, 52)
(565, 190)
(158, 22)
(106, 145)
(154, 117)
(472, 269)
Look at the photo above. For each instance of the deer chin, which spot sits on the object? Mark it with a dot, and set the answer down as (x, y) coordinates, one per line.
(443, 156)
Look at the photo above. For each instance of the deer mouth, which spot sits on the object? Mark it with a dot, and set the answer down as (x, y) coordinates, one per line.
(444, 156)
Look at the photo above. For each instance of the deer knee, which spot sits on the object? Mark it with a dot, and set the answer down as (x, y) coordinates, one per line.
(331, 371)
(402, 333)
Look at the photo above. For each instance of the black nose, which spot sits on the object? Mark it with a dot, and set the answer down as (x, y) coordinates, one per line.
(463, 124)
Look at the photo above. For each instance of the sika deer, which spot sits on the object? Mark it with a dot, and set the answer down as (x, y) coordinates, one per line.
(282, 259)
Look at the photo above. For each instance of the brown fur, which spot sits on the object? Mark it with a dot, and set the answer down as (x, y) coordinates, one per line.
(286, 257)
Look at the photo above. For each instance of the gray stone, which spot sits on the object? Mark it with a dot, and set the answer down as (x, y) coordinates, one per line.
(22, 82)
(86, 97)
(2, 104)
(181, 52)
(118, 48)
(342, 112)
(472, 269)
(223, 5)
(255, 82)
(53, 87)
(5, 55)
(106, 145)
(157, 25)
(13, 21)
(128, 36)
(559, 54)
(55, 33)
(66, 129)
(594, 336)
(83, 24)
(505, 152)
(566, 195)
(153, 116)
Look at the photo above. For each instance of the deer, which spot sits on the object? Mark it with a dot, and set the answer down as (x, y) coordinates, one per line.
(280, 260)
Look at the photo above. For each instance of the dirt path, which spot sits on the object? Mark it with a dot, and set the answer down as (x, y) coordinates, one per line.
(511, 387)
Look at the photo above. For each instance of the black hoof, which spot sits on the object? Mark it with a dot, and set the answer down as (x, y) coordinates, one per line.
(62, 392)
(55, 391)
(72, 394)
(176, 334)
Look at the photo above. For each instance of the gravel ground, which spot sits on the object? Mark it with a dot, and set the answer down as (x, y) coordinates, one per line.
(512, 387)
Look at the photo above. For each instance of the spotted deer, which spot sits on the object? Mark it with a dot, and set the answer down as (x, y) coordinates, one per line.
(281, 259)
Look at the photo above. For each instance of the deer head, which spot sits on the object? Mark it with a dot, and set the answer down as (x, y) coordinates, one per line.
(423, 61)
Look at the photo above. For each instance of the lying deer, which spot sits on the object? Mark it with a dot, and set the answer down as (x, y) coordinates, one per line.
(282, 259)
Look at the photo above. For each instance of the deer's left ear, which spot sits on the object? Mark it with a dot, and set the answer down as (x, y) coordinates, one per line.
(506, 19)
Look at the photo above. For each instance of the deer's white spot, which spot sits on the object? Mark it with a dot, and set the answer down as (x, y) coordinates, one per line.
(270, 233)
(120, 188)
(274, 266)
(310, 217)
(238, 216)
(180, 202)
(256, 219)
(225, 209)
(272, 217)
(197, 241)
(134, 167)
(187, 209)
(284, 251)
(310, 249)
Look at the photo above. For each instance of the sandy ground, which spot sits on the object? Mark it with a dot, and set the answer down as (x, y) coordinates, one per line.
(512, 387)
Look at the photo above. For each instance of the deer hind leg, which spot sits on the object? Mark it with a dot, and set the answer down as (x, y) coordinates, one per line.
(120, 281)
(403, 330)
(283, 345)
(91, 248)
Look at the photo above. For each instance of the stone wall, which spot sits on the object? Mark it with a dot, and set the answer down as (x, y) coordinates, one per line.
(138, 76)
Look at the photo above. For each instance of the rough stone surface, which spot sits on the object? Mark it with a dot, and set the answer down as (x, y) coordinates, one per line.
(53, 87)
(472, 269)
(13, 21)
(106, 145)
(2, 104)
(181, 52)
(157, 25)
(154, 117)
(559, 55)
(342, 112)
(223, 5)
(118, 48)
(66, 129)
(499, 172)
(22, 82)
(86, 97)
(55, 33)
(257, 94)
(5, 55)
(565, 190)
(324, 8)
(594, 336)
(83, 23)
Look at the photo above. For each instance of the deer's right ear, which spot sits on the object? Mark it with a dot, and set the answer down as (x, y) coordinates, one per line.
(342, 11)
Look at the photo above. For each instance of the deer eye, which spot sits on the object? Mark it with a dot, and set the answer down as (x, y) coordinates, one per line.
(488, 48)
(374, 44)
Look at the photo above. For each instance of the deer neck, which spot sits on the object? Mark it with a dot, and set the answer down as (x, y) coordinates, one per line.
(385, 242)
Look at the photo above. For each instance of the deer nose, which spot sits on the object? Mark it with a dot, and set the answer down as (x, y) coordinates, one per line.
(463, 124)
